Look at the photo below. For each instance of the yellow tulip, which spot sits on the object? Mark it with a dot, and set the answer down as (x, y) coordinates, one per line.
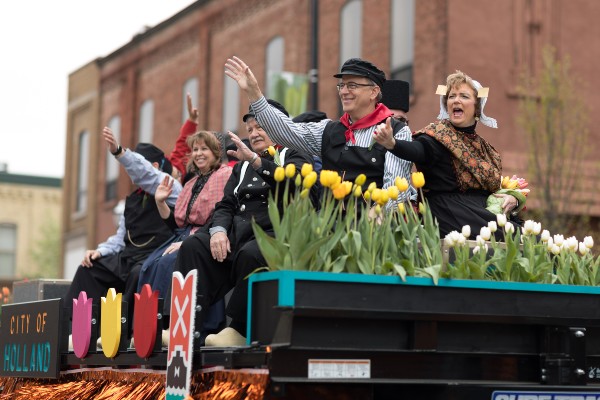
(401, 208)
(290, 170)
(304, 193)
(378, 209)
(279, 174)
(367, 195)
(358, 191)
(347, 187)
(298, 181)
(505, 180)
(360, 180)
(325, 178)
(393, 192)
(384, 197)
(418, 180)
(372, 186)
(310, 179)
(271, 151)
(401, 184)
(422, 208)
(376, 194)
(339, 192)
(306, 169)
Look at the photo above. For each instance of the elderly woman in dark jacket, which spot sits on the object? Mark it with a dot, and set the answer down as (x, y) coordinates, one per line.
(226, 254)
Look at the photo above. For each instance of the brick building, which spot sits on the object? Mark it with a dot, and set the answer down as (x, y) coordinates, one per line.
(140, 88)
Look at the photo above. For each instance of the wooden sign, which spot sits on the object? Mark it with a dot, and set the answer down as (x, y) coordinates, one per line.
(181, 335)
(29, 339)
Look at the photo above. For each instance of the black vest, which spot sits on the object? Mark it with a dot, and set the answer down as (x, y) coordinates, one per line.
(351, 161)
(145, 229)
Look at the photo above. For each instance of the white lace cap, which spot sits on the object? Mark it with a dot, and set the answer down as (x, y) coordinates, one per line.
(481, 93)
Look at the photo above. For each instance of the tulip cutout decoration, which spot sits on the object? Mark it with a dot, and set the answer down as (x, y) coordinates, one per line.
(144, 321)
(110, 328)
(82, 324)
(181, 340)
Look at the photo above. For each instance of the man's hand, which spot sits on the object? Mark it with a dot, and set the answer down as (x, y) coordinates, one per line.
(90, 256)
(237, 70)
(219, 246)
(110, 140)
(384, 134)
(243, 153)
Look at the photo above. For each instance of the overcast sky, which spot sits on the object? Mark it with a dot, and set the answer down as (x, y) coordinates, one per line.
(41, 42)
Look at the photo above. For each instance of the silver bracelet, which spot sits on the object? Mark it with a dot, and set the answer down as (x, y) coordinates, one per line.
(254, 157)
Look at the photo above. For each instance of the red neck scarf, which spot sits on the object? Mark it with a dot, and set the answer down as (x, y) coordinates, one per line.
(380, 113)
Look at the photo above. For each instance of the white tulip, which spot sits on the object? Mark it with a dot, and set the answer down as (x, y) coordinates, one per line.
(528, 227)
(480, 241)
(466, 231)
(485, 233)
(537, 228)
(555, 249)
(559, 239)
(501, 218)
(448, 240)
(589, 242)
(549, 244)
(476, 249)
(509, 227)
(546, 235)
(583, 249)
(493, 227)
(572, 243)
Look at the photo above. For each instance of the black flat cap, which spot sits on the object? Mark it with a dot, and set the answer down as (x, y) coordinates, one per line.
(155, 155)
(274, 103)
(396, 94)
(359, 67)
(310, 116)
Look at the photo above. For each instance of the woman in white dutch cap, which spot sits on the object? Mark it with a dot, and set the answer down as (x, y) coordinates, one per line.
(461, 169)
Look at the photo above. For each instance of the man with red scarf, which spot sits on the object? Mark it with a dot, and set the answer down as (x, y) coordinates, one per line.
(347, 145)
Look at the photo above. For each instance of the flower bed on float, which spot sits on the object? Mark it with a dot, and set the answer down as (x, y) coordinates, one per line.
(351, 232)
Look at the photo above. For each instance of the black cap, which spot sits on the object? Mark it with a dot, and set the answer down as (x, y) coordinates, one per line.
(396, 94)
(356, 66)
(155, 155)
(271, 102)
(310, 116)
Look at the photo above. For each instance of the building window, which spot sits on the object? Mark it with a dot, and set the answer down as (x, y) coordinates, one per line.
(274, 61)
(402, 40)
(8, 250)
(231, 105)
(146, 122)
(191, 87)
(351, 30)
(83, 172)
(112, 165)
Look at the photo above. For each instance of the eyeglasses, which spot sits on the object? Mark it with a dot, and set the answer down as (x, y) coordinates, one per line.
(351, 85)
(402, 119)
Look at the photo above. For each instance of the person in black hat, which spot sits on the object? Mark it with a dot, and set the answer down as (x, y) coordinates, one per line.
(396, 95)
(116, 262)
(346, 145)
(228, 252)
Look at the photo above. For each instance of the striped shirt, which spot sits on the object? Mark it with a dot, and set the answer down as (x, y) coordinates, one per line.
(308, 137)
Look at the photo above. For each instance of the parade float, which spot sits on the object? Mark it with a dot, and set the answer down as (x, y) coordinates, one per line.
(356, 305)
